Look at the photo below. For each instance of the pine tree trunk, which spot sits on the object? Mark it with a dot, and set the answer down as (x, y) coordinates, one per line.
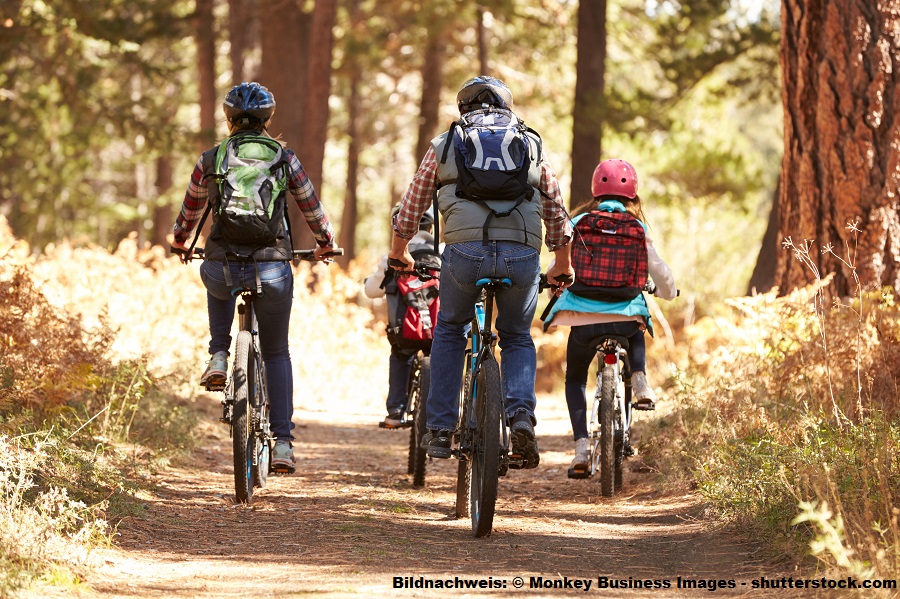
(350, 214)
(318, 90)
(841, 163)
(587, 116)
(432, 81)
(763, 277)
(205, 32)
(283, 71)
(163, 214)
(238, 16)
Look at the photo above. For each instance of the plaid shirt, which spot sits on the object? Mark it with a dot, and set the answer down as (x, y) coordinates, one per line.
(419, 197)
(197, 195)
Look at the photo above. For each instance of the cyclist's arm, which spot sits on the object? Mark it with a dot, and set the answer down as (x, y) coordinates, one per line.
(305, 195)
(192, 207)
(553, 211)
(660, 272)
(415, 202)
(374, 282)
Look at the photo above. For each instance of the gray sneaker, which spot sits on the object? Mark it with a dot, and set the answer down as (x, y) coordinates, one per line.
(214, 375)
(283, 457)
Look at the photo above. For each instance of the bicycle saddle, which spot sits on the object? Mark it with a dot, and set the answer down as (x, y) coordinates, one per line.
(494, 282)
(597, 342)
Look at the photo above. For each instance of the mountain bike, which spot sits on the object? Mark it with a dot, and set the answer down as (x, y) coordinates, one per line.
(413, 416)
(482, 434)
(609, 429)
(245, 407)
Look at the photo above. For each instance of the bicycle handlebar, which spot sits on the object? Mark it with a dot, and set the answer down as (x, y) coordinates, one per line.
(420, 269)
(308, 255)
(544, 283)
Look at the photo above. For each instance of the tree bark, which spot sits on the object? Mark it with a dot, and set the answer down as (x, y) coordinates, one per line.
(763, 277)
(238, 15)
(432, 82)
(318, 89)
(283, 71)
(587, 115)
(163, 214)
(350, 213)
(841, 162)
(204, 28)
(482, 33)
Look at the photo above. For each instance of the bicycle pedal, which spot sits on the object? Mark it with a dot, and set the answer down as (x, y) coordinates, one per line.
(215, 386)
(282, 469)
(629, 451)
(579, 473)
(516, 462)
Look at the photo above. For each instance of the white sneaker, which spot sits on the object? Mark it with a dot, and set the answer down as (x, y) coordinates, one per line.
(582, 458)
(216, 370)
(642, 392)
(283, 457)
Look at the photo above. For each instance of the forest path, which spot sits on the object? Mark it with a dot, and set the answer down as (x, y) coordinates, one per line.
(349, 521)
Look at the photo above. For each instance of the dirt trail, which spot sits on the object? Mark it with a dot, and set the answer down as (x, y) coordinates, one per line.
(349, 522)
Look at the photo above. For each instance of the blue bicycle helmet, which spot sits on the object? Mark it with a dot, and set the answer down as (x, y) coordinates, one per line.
(249, 100)
(482, 91)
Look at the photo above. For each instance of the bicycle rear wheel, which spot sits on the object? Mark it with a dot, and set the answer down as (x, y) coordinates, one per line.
(606, 455)
(486, 448)
(417, 400)
(242, 437)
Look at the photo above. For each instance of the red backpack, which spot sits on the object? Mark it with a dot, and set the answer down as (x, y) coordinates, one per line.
(609, 256)
(413, 313)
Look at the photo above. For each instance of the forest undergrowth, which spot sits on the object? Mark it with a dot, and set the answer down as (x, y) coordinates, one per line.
(781, 411)
(786, 419)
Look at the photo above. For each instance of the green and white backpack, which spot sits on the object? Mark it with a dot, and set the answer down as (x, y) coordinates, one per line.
(251, 171)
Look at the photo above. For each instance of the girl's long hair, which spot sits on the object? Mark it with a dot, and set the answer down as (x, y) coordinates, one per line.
(632, 206)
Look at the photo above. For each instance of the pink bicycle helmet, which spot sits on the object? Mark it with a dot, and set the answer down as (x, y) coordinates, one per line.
(614, 177)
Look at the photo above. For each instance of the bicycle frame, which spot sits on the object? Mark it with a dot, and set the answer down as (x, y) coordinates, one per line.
(482, 341)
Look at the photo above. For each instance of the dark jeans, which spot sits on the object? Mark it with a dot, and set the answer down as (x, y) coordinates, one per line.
(399, 365)
(462, 265)
(579, 354)
(273, 315)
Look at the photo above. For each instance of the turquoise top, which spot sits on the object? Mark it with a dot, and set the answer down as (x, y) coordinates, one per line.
(574, 303)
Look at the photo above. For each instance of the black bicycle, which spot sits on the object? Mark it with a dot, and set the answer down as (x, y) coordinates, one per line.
(482, 435)
(245, 407)
(413, 416)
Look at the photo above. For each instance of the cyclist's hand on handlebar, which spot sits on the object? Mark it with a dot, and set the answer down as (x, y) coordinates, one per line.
(403, 262)
(324, 254)
(560, 278)
(182, 250)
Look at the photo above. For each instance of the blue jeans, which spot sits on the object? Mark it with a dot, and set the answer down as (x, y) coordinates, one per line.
(399, 365)
(462, 265)
(580, 353)
(273, 315)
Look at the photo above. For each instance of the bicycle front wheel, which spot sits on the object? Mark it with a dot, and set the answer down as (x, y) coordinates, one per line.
(464, 468)
(242, 437)
(417, 400)
(262, 441)
(486, 450)
(606, 417)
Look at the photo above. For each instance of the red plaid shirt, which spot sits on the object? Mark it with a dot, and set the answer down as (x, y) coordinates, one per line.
(419, 197)
(299, 185)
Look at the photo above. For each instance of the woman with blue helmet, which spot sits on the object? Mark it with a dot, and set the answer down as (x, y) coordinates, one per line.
(248, 108)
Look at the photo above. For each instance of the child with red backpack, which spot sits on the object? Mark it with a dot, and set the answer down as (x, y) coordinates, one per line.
(612, 256)
(412, 312)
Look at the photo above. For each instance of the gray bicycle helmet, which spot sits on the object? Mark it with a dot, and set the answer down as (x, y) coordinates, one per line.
(482, 91)
(249, 101)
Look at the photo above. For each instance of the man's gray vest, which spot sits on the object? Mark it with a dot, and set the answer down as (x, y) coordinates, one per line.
(464, 219)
